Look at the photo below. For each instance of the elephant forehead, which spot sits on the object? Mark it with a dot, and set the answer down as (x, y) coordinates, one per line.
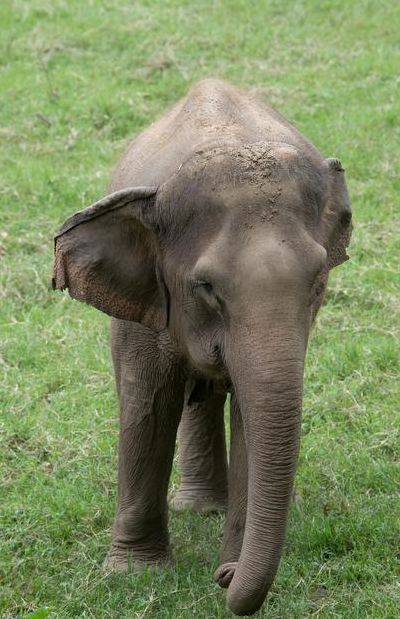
(253, 174)
(236, 189)
(244, 161)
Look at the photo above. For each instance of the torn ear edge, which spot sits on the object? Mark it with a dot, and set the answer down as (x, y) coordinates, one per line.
(111, 202)
(338, 216)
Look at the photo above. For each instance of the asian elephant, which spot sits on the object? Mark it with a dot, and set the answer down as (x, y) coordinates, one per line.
(211, 253)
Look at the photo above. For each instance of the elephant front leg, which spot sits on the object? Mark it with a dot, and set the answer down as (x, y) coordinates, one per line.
(151, 399)
(202, 457)
(236, 517)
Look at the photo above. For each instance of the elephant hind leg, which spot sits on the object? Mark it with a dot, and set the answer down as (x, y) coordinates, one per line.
(202, 456)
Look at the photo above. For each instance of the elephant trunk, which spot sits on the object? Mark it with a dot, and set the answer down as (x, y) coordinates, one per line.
(267, 374)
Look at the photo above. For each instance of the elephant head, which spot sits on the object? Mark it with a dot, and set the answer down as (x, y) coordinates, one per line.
(231, 255)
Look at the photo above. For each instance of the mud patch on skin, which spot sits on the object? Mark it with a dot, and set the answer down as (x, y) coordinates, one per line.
(260, 166)
(251, 163)
(249, 185)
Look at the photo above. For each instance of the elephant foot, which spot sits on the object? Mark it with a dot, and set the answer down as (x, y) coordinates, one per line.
(125, 560)
(224, 574)
(196, 502)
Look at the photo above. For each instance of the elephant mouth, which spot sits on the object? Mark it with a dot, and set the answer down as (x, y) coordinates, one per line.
(201, 389)
(228, 386)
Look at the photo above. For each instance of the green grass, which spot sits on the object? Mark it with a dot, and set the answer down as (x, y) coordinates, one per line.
(78, 79)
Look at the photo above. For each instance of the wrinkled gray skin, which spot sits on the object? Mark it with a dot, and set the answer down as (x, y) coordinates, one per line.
(212, 254)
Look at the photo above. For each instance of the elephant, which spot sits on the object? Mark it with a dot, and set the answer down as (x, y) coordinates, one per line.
(211, 253)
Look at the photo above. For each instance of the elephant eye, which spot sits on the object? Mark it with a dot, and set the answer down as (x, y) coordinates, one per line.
(205, 291)
(207, 287)
(200, 284)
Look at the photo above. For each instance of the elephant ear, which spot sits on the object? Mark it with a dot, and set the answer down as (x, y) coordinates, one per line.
(106, 255)
(336, 226)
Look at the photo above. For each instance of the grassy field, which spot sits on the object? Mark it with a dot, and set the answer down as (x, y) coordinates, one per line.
(78, 79)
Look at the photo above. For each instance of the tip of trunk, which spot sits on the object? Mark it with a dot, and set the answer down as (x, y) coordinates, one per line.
(245, 604)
